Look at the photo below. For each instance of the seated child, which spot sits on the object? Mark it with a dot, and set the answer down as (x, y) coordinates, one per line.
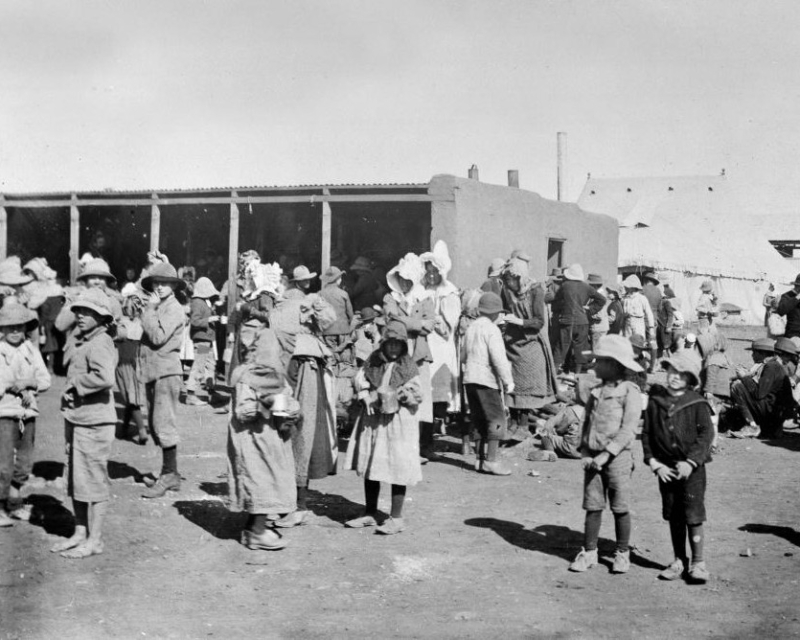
(612, 414)
(23, 374)
(677, 439)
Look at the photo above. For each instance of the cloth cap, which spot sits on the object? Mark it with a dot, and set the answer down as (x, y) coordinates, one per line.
(706, 287)
(11, 272)
(685, 361)
(395, 330)
(97, 268)
(619, 349)
(785, 345)
(361, 264)
(595, 279)
(489, 304)
(204, 288)
(632, 282)
(96, 300)
(496, 267)
(162, 272)
(15, 313)
(331, 275)
(302, 273)
(762, 344)
(574, 272)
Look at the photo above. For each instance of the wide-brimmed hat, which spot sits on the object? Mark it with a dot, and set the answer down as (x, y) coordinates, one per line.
(573, 272)
(302, 273)
(490, 303)
(765, 345)
(685, 361)
(649, 275)
(595, 279)
(97, 268)
(706, 287)
(331, 274)
(96, 300)
(15, 313)
(11, 272)
(368, 314)
(204, 288)
(617, 348)
(785, 345)
(163, 272)
(632, 282)
(361, 264)
(496, 267)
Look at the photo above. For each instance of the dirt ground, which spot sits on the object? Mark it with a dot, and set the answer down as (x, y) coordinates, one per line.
(482, 557)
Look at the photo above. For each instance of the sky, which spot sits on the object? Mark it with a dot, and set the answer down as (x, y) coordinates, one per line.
(148, 94)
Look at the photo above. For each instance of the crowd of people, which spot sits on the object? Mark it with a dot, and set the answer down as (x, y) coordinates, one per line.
(388, 362)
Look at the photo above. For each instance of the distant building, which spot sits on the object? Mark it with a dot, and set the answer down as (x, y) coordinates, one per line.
(316, 225)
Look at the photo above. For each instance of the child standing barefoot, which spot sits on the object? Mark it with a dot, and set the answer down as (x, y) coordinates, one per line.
(90, 416)
(384, 446)
(677, 439)
(612, 414)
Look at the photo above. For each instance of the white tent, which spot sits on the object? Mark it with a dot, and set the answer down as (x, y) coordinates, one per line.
(691, 229)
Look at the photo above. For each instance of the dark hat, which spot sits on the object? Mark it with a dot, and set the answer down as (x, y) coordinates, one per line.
(489, 304)
(163, 272)
(302, 273)
(764, 345)
(637, 341)
(368, 314)
(785, 345)
(361, 264)
(595, 279)
(649, 275)
(331, 274)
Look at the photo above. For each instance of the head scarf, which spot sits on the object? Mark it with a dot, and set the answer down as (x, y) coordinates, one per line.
(410, 268)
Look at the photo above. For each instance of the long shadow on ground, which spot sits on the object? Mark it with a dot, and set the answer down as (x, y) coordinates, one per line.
(212, 516)
(332, 506)
(790, 441)
(555, 540)
(48, 470)
(787, 533)
(50, 514)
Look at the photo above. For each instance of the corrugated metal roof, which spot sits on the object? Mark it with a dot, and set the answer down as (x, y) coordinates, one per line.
(148, 192)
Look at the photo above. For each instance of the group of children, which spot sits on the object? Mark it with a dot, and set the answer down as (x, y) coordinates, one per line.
(282, 408)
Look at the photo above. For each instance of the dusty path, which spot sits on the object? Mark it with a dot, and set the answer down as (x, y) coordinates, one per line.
(484, 557)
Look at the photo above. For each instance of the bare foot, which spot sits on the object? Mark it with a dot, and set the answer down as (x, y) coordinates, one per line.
(78, 538)
(88, 548)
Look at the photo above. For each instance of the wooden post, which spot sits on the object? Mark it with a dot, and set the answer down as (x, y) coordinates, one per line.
(3, 229)
(326, 231)
(233, 256)
(155, 225)
(74, 239)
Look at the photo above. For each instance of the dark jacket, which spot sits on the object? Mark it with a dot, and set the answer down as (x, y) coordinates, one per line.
(576, 301)
(340, 301)
(789, 306)
(200, 330)
(677, 428)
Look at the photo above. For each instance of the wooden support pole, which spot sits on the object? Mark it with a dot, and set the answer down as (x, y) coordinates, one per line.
(74, 240)
(233, 255)
(155, 225)
(3, 229)
(326, 232)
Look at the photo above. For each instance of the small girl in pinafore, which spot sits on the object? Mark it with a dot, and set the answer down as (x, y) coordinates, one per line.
(384, 446)
(129, 381)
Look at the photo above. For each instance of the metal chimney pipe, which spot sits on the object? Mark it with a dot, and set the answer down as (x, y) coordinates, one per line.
(513, 178)
(561, 144)
(473, 172)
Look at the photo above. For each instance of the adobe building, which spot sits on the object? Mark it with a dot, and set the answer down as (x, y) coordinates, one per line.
(315, 225)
